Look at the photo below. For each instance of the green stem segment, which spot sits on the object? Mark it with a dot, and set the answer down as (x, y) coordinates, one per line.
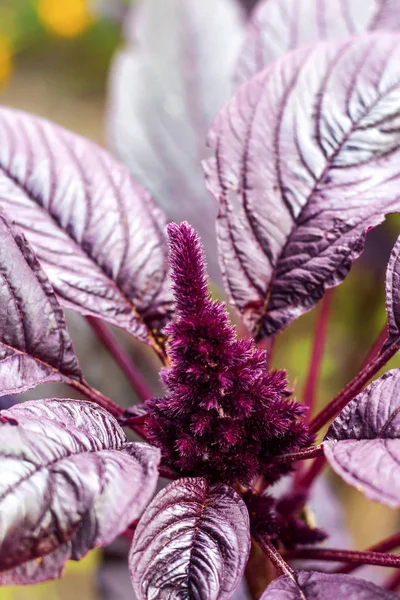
(97, 397)
(376, 347)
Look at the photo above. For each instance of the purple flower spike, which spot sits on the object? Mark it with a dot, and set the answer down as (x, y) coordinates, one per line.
(225, 415)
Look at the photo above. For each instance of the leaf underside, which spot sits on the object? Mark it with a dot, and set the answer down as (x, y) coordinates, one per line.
(279, 26)
(192, 541)
(363, 443)
(35, 346)
(311, 585)
(306, 161)
(70, 481)
(97, 233)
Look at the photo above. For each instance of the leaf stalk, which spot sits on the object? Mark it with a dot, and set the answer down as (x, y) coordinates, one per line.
(121, 357)
(353, 388)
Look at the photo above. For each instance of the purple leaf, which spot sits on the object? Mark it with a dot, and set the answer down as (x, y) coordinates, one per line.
(306, 162)
(69, 476)
(393, 294)
(310, 585)
(166, 86)
(248, 5)
(363, 443)
(192, 541)
(96, 232)
(278, 26)
(35, 346)
(8, 401)
(49, 567)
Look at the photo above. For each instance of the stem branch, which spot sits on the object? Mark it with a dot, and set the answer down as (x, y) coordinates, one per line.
(320, 334)
(279, 563)
(307, 453)
(356, 557)
(385, 545)
(109, 405)
(121, 358)
(352, 389)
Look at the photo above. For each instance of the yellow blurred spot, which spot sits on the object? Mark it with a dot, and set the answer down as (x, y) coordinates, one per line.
(89, 563)
(66, 18)
(5, 59)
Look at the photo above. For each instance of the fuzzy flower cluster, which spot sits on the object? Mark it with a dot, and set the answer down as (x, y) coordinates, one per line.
(225, 416)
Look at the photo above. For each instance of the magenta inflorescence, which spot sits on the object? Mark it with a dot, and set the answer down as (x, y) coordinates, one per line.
(225, 415)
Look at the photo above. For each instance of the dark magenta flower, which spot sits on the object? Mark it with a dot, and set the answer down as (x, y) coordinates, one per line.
(225, 415)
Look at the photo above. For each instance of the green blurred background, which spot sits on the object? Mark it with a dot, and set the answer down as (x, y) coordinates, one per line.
(54, 61)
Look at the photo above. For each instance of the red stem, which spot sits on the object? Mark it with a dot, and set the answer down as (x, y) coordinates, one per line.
(97, 397)
(268, 345)
(383, 546)
(311, 452)
(352, 389)
(376, 347)
(117, 412)
(354, 556)
(275, 557)
(121, 358)
(305, 481)
(320, 335)
(104, 402)
(393, 583)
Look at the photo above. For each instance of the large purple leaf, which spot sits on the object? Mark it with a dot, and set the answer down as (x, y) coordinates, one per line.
(278, 26)
(310, 585)
(166, 86)
(35, 346)
(97, 233)
(393, 294)
(306, 161)
(363, 443)
(192, 541)
(70, 481)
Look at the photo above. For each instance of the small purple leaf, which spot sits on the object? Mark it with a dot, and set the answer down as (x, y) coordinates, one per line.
(166, 86)
(311, 585)
(278, 26)
(363, 443)
(35, 346)
(393, 294)
(306, 162)
(97, 233)
(193, 541)
(69, 476)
